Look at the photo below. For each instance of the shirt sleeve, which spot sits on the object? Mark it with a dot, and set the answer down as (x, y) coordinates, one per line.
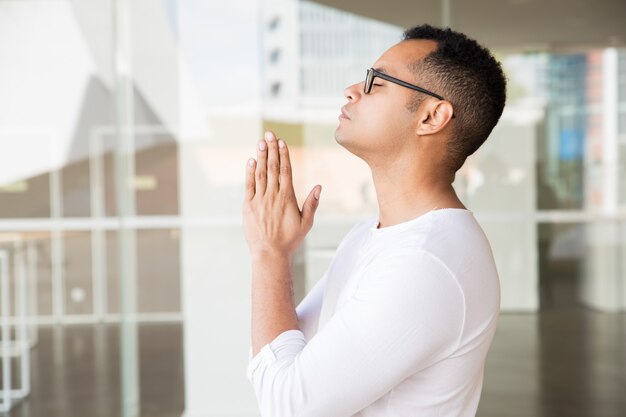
(407, 313)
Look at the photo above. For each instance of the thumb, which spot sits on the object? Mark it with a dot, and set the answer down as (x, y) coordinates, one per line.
(310, 205)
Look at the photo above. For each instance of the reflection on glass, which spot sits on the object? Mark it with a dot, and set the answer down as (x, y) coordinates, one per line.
(26, 198)
(78, 284)
(158, 271)
(156, 179)
(75, 189)
(561, 252)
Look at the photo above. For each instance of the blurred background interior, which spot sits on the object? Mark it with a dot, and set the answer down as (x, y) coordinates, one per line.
(125, 127)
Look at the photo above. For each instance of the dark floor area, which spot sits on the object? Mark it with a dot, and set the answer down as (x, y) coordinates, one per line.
(565, 362)
(76, 372)
(559, 363)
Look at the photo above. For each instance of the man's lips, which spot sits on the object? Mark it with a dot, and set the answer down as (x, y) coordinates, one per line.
(343, 114)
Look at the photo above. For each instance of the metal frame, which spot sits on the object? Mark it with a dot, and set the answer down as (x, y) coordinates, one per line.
(32, 272)
(5, 393)
(20, 347)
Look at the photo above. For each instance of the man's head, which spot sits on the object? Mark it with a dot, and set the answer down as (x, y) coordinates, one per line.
(467, 75)
(443, 62)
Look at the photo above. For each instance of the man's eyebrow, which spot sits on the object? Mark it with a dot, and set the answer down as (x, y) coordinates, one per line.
(381, 69)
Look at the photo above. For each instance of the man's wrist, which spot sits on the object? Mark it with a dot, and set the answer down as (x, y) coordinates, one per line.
(271, 255)
(271, 265)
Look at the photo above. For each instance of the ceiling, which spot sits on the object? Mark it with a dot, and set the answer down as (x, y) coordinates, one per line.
(550, 25)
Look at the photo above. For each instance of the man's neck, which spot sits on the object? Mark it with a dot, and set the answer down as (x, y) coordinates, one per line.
(405, 193)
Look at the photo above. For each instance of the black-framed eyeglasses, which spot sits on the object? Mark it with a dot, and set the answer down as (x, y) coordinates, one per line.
(372, 73)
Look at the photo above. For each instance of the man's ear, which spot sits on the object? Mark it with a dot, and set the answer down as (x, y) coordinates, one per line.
(436, 117)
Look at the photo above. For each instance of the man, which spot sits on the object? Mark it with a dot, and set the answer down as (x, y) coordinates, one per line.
(401, 322)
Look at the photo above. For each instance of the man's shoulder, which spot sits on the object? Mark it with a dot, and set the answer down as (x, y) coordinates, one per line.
(359, 229)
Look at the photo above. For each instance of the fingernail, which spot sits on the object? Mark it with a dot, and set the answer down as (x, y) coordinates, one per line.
(262, 145)
(269, 136)
(251, 162)
(316, 194)
(281, 143)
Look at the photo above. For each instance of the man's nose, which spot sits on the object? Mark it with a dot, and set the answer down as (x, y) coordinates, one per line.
(354, 91)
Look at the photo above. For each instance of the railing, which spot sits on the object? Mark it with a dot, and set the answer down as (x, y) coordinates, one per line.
(23, 320)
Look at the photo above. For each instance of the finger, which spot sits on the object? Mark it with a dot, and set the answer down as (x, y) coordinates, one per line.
(273, 164)
(285, 180)
(250, 182)
(310, 206)
(261, 168)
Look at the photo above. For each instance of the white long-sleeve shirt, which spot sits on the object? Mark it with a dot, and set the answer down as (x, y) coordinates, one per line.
(399, 325)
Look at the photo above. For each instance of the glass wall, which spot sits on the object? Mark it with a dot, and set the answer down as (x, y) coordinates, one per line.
(92, 230)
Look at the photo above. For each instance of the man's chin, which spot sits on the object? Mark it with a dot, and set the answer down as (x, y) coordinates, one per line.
(344, 141)
(339, 137)
(337, 133)
(341, 132)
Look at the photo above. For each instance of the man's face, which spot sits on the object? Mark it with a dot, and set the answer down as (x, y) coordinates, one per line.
(379, 123)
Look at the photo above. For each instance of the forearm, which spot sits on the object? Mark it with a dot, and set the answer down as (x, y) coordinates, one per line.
(275, 226)
(273, 310)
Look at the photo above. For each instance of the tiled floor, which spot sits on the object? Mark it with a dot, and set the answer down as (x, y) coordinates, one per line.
(559, 363)
(76, 372)
(565, 362)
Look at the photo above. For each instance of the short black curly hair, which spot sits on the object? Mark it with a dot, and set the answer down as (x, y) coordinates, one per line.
(468, 76)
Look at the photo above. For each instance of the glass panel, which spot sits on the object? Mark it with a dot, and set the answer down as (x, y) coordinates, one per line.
(8, 243)
(156, 179)
(110, 199)
(39, 259)
(26, 198)
(78, 283)
(158, 272)
(28, 249)
(76, 189)
(622, 171)
(158, 276)
(561, 255)
(112, 274)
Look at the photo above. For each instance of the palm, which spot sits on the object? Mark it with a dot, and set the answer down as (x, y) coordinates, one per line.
(272, 218)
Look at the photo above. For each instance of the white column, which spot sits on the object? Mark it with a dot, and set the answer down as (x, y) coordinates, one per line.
(125, 194)
(602, 284)
(5, 332)
(610, 143)
(446, 13)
